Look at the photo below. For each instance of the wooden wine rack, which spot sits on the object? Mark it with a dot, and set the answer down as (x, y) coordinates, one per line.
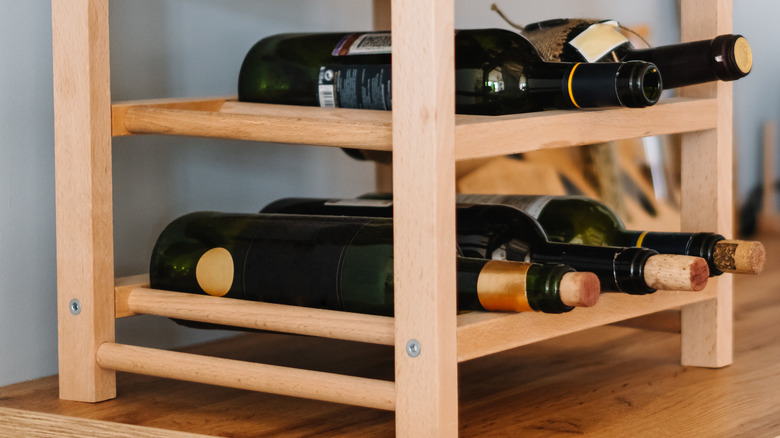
(426, 138)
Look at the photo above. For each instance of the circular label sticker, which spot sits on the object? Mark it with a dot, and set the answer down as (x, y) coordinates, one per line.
(215, 272)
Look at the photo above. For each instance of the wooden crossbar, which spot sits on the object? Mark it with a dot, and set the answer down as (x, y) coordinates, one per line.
(317, 385)
(255, 315)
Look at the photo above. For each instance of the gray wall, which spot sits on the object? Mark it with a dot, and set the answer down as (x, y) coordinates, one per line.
(194, 48)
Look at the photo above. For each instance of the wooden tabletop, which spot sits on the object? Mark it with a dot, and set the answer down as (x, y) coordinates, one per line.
(612, 381)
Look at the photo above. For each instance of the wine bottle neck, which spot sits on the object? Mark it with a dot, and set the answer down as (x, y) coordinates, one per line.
(512, 286)
(692, 244)
(619, 269)
(726, 58)
(634, 84)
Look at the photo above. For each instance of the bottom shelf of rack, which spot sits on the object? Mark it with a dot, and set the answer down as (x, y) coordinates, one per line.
(479, 333)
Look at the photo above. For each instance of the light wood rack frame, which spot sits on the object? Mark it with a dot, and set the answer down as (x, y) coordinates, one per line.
(426, 138)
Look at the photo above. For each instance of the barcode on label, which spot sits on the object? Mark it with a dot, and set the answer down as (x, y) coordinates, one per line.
(327, 96)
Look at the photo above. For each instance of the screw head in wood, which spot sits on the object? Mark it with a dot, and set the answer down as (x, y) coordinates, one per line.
(75, 306)
(413, 348)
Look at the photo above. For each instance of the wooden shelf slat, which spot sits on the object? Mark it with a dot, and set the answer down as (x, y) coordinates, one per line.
(338, 127)
(317, 385)
(554, 129)
(483, 333)
(479, 333)
(224, 118)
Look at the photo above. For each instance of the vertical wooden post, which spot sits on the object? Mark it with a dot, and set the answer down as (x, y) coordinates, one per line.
(424, 221)
(707, 194)
(82, 137)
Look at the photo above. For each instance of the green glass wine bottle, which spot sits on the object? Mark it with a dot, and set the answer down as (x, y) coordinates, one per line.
(339, 264)
(726, 57)
(506, 233)
(585, 220)
(496, 72)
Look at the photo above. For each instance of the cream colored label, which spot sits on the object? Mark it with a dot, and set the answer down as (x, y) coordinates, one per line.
(598, 40)
(502, 287)
(215, 272)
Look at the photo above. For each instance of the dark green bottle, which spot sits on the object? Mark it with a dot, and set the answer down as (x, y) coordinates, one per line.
(506, 233)
(339, 264)
(726, 57)
(587, 221)
(496, 72)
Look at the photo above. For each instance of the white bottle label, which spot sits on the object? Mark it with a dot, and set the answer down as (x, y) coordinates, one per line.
(598, 40)
(370, 43)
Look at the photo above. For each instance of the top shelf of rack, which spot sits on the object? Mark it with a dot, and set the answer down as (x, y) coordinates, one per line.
(365, 129)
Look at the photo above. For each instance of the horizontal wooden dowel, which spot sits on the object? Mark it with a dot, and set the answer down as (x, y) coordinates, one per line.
(122, 288)
(313, 126)
(255, 315)
(372, 393)
(119, 109)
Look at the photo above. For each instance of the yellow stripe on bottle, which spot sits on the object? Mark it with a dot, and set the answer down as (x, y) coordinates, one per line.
(571, 78)
(641, 238)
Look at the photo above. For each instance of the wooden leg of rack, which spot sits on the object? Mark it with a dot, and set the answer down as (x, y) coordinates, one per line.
(85, 255)
(707, 193)
(707, 201)
(707, 328)
(424, 221)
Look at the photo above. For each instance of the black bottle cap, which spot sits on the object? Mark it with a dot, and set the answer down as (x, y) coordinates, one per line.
(732, 57)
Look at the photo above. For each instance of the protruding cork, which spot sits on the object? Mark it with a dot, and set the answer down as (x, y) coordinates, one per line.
(739, 256)
(743, 55)
(580, 289)
(676, 272)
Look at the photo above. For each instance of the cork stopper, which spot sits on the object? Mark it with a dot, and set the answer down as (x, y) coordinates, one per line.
(676, 272)
(739, 256)
(743, 55)
(580, 289)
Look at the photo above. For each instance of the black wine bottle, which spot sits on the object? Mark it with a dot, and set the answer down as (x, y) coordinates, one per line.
(726, 57)
(587, 221)
(496, 72)
(506, 233)
(339, 264)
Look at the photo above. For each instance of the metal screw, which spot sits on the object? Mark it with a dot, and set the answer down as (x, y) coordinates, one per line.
(75, 306)
(413, 348)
